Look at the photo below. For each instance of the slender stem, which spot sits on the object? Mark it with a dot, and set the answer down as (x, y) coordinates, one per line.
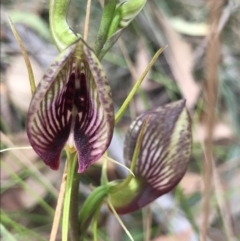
(136, 86)
(147, 222)
(119, 220)
(104, 177)
(74, 227)
(85, 36)
(108, 13)
(58, 210)
(71, 165)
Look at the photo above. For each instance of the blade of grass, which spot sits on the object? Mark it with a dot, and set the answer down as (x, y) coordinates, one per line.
(211, 86)
(5, 234)
(29, 165)
(40, 200)
(25, 56)
(119, 220)
(58, 210)
(220, 196)
(20, 229)
(133, 72)
(136, 86)
(16, 148)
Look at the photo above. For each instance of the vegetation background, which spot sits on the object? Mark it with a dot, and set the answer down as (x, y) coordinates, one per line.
(200, 64)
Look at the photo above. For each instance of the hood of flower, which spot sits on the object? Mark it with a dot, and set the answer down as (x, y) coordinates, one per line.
(163, 157)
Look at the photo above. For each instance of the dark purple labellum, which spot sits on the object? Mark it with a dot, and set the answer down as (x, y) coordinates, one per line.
(72, 106)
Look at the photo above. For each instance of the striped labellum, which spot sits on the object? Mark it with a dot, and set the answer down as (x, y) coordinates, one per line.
(72, 107)
(163, 157)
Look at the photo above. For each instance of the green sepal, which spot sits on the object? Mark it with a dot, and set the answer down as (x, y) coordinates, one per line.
(62, 34)
(127, 194)
(91, 205)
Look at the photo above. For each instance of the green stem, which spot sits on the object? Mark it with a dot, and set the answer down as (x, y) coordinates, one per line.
(74, 206)
(62, 35)
(136, 86)
(108, 13)
(71, 168)
(104, 177)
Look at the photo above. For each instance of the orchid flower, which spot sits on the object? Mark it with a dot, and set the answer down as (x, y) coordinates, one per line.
(72, 108)
(163, 156)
